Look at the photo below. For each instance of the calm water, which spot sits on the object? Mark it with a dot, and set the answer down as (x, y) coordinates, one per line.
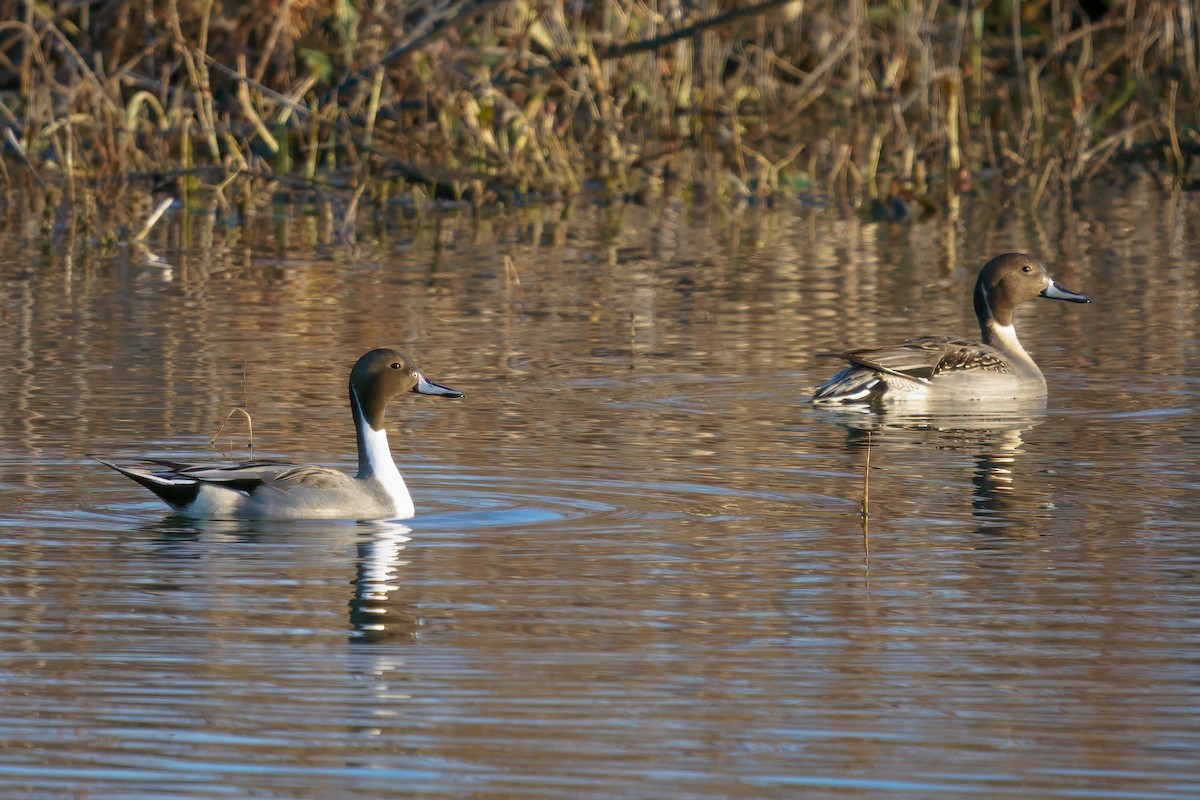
(638, 568)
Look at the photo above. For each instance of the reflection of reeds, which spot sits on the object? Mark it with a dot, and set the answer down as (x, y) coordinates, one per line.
(484, 99)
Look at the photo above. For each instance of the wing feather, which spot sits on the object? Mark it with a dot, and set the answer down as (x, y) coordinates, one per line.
(925, 357)
(246, 476)
(908, 365)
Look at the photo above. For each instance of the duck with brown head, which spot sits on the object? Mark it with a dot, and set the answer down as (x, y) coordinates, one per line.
(283, 490)
(947, 371)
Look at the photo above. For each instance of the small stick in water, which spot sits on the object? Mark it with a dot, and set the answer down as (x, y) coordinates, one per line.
(249, 424)
(154, 217)
(239, 410)
(866, 509)
(866, 512)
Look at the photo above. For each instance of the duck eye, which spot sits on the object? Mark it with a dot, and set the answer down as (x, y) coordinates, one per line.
(1027, 268)
(396, 365)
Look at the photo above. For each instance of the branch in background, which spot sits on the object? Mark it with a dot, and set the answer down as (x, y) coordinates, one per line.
(241, 78)
(11, 138)
(438, 21)
(686, 32)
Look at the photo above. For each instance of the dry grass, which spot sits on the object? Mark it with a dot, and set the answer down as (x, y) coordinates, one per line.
(501, 101)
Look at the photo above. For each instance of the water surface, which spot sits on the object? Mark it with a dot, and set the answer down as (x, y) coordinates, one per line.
(639, 566)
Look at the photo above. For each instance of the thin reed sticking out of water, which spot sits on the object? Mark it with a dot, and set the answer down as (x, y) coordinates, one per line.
(865, 508)
(249, 422)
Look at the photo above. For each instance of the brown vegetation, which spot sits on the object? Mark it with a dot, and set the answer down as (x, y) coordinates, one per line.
(490, 100)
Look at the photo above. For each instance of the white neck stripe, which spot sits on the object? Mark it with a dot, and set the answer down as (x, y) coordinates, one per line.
(375, 462)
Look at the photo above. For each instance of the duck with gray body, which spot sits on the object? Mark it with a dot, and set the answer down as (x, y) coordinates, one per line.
(283, 490)
(933, 371)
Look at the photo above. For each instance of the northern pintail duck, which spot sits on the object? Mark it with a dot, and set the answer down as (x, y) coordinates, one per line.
(947, 370)
(281, 490)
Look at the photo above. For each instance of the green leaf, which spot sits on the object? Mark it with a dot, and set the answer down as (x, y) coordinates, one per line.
(317, 63)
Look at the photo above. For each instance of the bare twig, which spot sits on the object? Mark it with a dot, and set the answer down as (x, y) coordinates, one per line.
(243, 95)
(154, 217)
(11, 138)
(239, 410)
(866, 514)
(292, 104)
(272, 39)
(438, 21)
(866, 499)
(656, 42)
(249, 425)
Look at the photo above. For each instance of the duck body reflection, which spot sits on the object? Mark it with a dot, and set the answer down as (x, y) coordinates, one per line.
(1005, 499)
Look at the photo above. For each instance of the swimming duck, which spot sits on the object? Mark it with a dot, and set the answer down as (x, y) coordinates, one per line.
(936, 370)
(283, 490)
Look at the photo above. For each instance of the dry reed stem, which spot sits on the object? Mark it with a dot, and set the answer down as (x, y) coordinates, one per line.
(17, 147)
(83, 67)
(373, 107)
(512, 97)
(348, 230)
(249, 423)
(199, 78)
(264, 59)
(243, 95)
(865, 508)
(1172, 130)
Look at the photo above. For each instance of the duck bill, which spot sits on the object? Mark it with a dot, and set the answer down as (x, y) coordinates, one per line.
(1056, 292)
(429, 387)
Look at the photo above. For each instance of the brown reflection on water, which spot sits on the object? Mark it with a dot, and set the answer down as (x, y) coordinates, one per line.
(1007, 498)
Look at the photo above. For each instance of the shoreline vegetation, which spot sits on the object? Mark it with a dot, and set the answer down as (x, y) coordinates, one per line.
(895, 107)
